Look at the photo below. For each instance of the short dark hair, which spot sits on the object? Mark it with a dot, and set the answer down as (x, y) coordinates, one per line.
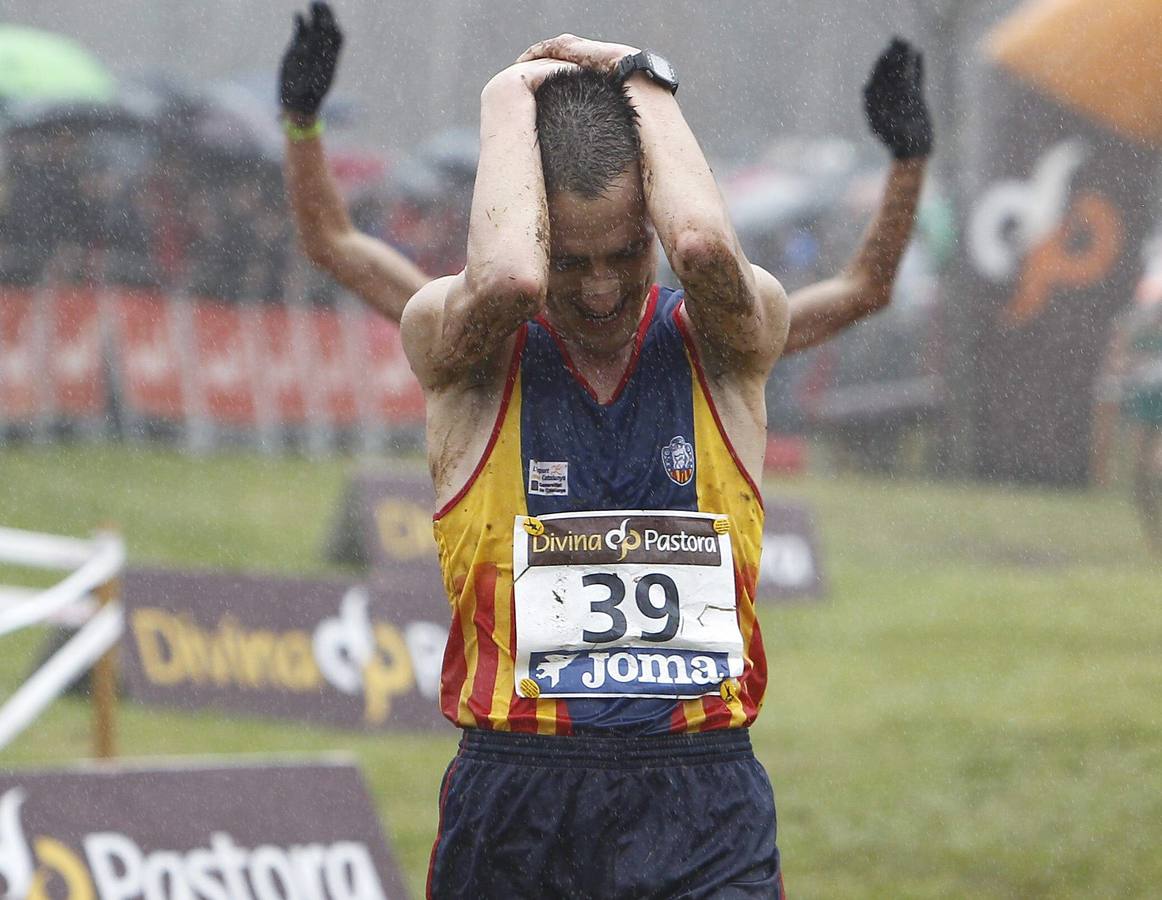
(587, 131)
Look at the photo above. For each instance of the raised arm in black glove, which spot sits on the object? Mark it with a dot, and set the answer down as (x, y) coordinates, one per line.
(893, 99)
(308, 66)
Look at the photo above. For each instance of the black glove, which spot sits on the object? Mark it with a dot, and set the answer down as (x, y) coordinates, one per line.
(308, 66)
(893, 99)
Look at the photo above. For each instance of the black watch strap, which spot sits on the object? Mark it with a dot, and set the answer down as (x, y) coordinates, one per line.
(654, 65)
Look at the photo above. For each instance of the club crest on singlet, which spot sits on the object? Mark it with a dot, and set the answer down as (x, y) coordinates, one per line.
(678, 458)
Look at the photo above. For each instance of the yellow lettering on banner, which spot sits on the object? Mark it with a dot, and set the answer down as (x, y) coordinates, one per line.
(59, 858)
(405, 530)
(158, 635)
(387, 674)
(257, 652)
(192, 647)
(294, 662)
(221, 671)
(230, 634)
(174, 650)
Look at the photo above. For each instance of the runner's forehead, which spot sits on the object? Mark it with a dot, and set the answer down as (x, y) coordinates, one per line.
(592, 226)
(577, 235)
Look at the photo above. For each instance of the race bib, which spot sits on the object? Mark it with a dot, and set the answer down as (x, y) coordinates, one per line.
(630, 603)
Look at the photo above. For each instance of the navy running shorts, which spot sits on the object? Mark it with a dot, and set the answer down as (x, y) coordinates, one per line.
(685, 816)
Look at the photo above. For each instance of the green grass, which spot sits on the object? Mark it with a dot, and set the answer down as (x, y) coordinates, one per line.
(974, 711)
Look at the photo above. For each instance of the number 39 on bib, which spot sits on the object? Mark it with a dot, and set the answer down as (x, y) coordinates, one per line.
(628, 603)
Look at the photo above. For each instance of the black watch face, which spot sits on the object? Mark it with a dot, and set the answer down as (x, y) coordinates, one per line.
(661, 68)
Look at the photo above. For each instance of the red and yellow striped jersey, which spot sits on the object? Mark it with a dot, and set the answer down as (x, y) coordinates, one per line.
(657, 445)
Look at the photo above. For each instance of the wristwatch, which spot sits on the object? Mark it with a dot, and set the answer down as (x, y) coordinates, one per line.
(654, 65)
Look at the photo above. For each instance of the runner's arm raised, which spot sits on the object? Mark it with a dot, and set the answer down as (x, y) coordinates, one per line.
(376, 273)
(381, 276)
(460, 330)
(893, 101)
(822, 310)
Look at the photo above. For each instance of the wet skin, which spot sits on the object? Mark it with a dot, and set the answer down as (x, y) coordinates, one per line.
(601, 266)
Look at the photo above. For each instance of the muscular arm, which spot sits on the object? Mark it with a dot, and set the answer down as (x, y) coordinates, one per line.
(738, 311)
(462, 324)
(820, 311)
(380, 275)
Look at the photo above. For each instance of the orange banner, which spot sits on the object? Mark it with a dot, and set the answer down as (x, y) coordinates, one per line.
(225, 369)
(1101, 57)
(147, 357)
(395, 395)
(281, 346)
(178, 359)
(76, 360)
(334, 371)
(18, 356)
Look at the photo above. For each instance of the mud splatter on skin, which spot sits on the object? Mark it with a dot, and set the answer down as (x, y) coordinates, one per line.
(724, 306)
(446, 464)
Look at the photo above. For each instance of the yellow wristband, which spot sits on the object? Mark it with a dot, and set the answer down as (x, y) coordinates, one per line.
(298, 133)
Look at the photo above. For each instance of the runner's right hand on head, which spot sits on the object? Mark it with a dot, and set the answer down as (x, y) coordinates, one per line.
(308, 65)
(602, 56)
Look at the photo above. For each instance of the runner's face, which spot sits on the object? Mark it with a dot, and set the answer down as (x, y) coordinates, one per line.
(601, 264)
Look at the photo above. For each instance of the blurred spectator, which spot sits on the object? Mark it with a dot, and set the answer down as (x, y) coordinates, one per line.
(1130, 388)
(45, 216)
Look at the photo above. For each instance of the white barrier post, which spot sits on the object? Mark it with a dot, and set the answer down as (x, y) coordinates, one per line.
(96, 568)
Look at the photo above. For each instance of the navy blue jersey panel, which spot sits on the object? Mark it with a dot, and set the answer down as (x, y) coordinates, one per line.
(637, 452)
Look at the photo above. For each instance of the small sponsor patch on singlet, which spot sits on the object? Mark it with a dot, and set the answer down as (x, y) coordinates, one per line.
(628, 603)
(548, 479)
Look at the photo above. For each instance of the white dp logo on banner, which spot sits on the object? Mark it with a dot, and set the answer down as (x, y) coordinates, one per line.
(1015, 216)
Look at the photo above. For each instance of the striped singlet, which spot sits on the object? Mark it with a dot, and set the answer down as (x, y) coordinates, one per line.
(657, 445)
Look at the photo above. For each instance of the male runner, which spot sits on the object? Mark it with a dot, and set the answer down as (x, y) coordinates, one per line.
(384, 278)
(599, 532)
(593, 441)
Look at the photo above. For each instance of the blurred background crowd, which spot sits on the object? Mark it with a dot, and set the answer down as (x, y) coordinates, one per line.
(174, 185)
(184, 193)
(145, 185)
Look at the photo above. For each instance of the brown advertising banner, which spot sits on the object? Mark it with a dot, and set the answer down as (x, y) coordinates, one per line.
(331, 652)
(219, 831)
(385, 523)
(1058, 192)
(792, 563)
(1053, 253)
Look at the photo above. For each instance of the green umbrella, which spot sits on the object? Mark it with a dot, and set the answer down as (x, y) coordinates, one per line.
(40, 65)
